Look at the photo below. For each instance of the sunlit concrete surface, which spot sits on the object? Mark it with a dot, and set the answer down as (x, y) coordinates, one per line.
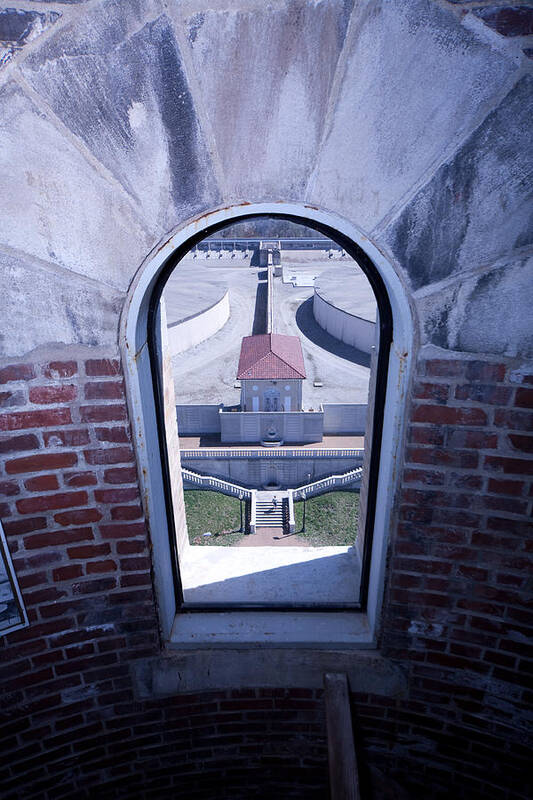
(324, 575)
(347, 288)
(191, 290)
(206, 373)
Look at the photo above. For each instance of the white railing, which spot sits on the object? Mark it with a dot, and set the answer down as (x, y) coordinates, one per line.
(292, 521)
(217, 484)
(311, 243)
(253, 512)
(331, 482)
(211, 483)
(277, 453)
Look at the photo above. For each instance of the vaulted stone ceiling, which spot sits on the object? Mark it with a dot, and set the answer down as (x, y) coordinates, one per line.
(123, 119)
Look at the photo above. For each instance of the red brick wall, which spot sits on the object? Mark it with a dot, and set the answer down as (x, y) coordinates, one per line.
(460, 580)
(454, 617)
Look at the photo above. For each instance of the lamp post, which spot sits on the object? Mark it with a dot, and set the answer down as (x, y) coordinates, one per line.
(240, 501)
(303, 496)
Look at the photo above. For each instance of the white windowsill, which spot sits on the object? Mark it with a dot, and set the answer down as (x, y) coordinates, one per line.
(250, 629)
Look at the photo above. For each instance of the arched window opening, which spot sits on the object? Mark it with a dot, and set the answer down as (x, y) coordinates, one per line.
(236, 322)
(266, 371)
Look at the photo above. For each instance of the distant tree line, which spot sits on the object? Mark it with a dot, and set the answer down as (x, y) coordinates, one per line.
(266, 229)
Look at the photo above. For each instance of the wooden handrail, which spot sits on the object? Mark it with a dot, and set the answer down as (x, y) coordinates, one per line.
(343, 775)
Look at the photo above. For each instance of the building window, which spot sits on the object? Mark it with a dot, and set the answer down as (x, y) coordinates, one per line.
(178, 566)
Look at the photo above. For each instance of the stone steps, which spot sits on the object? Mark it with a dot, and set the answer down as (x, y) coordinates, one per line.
(268, 514)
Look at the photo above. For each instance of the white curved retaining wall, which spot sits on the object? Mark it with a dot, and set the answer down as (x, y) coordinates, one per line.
(192, 331)
(346, 327)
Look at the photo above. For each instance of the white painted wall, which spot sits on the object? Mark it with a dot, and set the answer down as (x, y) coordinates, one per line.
(344, 418)
(196, 418)
(256, 426)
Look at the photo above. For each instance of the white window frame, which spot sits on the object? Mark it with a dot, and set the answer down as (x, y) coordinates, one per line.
(269, 627)
(7, 569)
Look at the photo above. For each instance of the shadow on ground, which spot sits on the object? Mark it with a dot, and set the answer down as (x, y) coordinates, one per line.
(259, 576)
(260, 311)
(312, 330)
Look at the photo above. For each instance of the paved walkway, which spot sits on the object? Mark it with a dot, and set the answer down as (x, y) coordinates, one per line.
(264, 537)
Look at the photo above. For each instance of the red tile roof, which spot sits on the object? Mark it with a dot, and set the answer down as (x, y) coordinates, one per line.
(271, 356)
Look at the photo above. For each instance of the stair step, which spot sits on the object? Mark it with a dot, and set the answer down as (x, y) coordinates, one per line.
(269, 514)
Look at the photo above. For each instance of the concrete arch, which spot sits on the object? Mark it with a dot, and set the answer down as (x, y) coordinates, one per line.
(135, 352)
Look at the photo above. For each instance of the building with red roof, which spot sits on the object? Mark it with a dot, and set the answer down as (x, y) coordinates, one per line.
(271, 356)
(271, 370)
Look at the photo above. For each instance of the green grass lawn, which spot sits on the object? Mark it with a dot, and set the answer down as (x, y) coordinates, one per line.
(215, 513)
(330, 519)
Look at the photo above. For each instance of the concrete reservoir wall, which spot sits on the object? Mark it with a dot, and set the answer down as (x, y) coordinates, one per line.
(192, 331)
(348, 328)
(344, 418)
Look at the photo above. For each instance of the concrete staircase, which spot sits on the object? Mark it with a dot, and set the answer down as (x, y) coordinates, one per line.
(270, 514)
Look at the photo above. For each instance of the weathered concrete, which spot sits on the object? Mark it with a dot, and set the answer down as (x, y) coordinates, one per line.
(455, 222)
(19, 27)
(58, 207)
(486, 313)
(261, 426)
(197, 419)
(415, 80)
(69, 309)
(265, 74)
(120, 64)
(218, 669)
